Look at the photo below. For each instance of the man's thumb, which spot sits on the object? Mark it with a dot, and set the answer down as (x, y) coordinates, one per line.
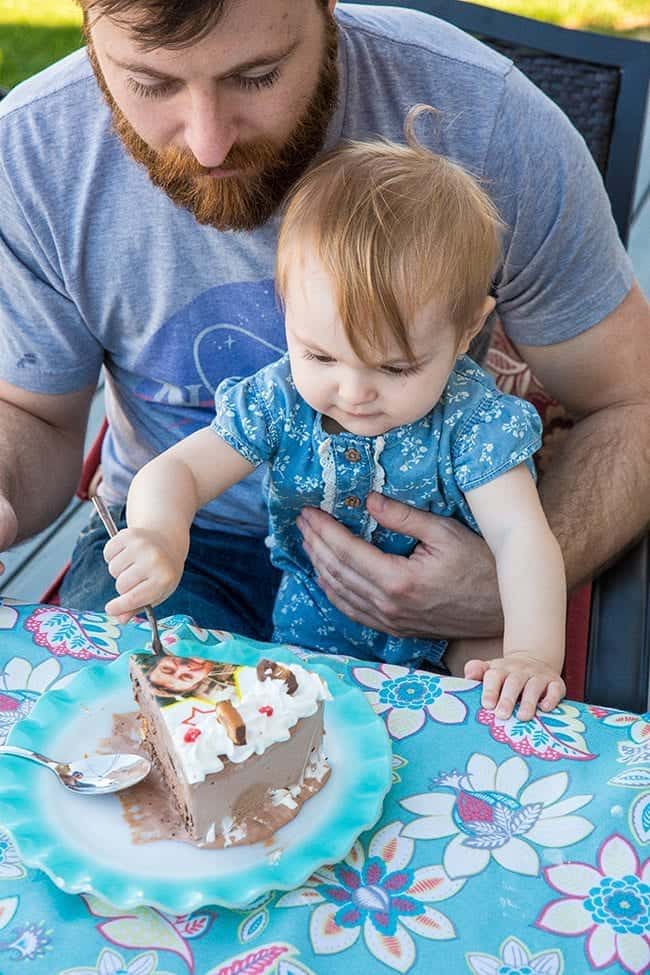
(8, 524)
(399, 517)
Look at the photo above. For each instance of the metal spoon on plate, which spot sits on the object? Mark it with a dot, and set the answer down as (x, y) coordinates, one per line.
(96, 775)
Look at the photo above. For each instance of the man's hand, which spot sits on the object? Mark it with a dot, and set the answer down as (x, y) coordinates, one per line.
(8, 527)
(146, 570)
(446, 588)
(505, 679)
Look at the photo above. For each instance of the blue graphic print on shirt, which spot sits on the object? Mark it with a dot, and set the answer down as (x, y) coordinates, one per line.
(232, 328)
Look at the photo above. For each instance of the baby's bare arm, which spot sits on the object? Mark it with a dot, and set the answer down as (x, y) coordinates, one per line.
(147, 558)
(532, 586)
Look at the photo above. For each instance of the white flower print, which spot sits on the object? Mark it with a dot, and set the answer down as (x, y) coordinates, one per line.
(110, 963)
(492, 813)
(609, 903)
(516, 959)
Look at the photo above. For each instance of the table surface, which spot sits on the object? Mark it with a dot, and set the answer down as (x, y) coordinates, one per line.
(504, 848)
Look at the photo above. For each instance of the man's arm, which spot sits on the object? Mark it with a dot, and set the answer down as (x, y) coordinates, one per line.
(596, 495)
(41, 452)
(596, 492)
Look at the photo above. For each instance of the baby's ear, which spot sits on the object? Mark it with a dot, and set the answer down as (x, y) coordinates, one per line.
(472, 330)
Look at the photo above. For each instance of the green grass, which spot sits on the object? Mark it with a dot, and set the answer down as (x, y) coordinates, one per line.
(630, 17)
(34, 33)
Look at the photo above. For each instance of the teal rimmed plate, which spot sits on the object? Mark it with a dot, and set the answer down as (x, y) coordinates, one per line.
(85, 846)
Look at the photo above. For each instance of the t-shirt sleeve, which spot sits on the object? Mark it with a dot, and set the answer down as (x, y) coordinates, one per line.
(45, 345)
(246, 417)
(500, 433)
(565, 268)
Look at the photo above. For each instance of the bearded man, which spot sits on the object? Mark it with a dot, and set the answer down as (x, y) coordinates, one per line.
(140, 189)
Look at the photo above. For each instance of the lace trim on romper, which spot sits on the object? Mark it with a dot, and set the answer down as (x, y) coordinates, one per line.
(378, 481)
(326, 458)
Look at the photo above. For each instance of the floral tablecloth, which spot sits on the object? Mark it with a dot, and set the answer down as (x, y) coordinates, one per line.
(505, 848)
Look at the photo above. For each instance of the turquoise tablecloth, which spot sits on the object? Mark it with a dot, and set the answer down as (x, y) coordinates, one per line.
(503, 849)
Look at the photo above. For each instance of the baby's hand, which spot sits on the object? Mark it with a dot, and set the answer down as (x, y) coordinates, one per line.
(506, 678)
(145, 569)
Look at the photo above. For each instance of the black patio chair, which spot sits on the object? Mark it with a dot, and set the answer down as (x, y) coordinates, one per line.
(601, 83)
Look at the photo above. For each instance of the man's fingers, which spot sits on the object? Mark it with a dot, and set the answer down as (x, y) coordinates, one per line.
(8, 524)
(354, 611)
(339, 576)
(345, 557)
(404, 518)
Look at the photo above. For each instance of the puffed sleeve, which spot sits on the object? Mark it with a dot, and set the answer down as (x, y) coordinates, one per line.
(500, 433)
(250, 413)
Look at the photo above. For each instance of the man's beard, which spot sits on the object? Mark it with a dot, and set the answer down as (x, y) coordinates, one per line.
(266, 170)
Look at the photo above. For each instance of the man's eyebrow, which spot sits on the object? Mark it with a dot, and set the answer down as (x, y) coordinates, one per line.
(273, 57)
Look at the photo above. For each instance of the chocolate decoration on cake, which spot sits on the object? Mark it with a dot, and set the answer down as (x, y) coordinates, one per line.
(274, 670)
(232, 721)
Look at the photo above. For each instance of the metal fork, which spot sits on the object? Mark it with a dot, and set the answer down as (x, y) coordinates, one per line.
(110, 526)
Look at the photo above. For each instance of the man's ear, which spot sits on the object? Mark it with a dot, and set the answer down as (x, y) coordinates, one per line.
(487, 308)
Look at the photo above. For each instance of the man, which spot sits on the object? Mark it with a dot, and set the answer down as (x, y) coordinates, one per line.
(151, 250)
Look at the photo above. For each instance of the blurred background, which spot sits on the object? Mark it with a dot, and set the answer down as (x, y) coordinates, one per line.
(34, 33)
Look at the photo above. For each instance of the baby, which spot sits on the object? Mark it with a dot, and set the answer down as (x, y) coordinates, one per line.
(385, 259)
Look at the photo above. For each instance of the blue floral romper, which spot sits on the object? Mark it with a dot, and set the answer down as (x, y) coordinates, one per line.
(472, 435)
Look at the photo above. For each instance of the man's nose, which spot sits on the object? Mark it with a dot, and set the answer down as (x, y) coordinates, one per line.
(209, 133)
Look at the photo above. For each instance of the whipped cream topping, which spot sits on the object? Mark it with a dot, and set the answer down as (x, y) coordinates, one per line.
(267, 709)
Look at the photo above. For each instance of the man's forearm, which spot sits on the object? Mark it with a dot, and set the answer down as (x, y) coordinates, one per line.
(39, 468)
(596, 491)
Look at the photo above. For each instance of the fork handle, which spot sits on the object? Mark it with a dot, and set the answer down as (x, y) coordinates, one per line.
(107, 520)
(103, 511)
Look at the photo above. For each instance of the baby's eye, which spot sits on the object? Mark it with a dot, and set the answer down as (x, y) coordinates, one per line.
(400, 370)
(318, 357)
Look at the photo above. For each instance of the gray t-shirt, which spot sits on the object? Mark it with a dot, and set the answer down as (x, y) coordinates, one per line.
(97, 266)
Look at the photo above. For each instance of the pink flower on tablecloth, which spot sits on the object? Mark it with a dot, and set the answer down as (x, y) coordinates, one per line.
(63, 632)
(408, 698)
(610, 904)
(551, 736)
(271, 959)
(492, 812)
